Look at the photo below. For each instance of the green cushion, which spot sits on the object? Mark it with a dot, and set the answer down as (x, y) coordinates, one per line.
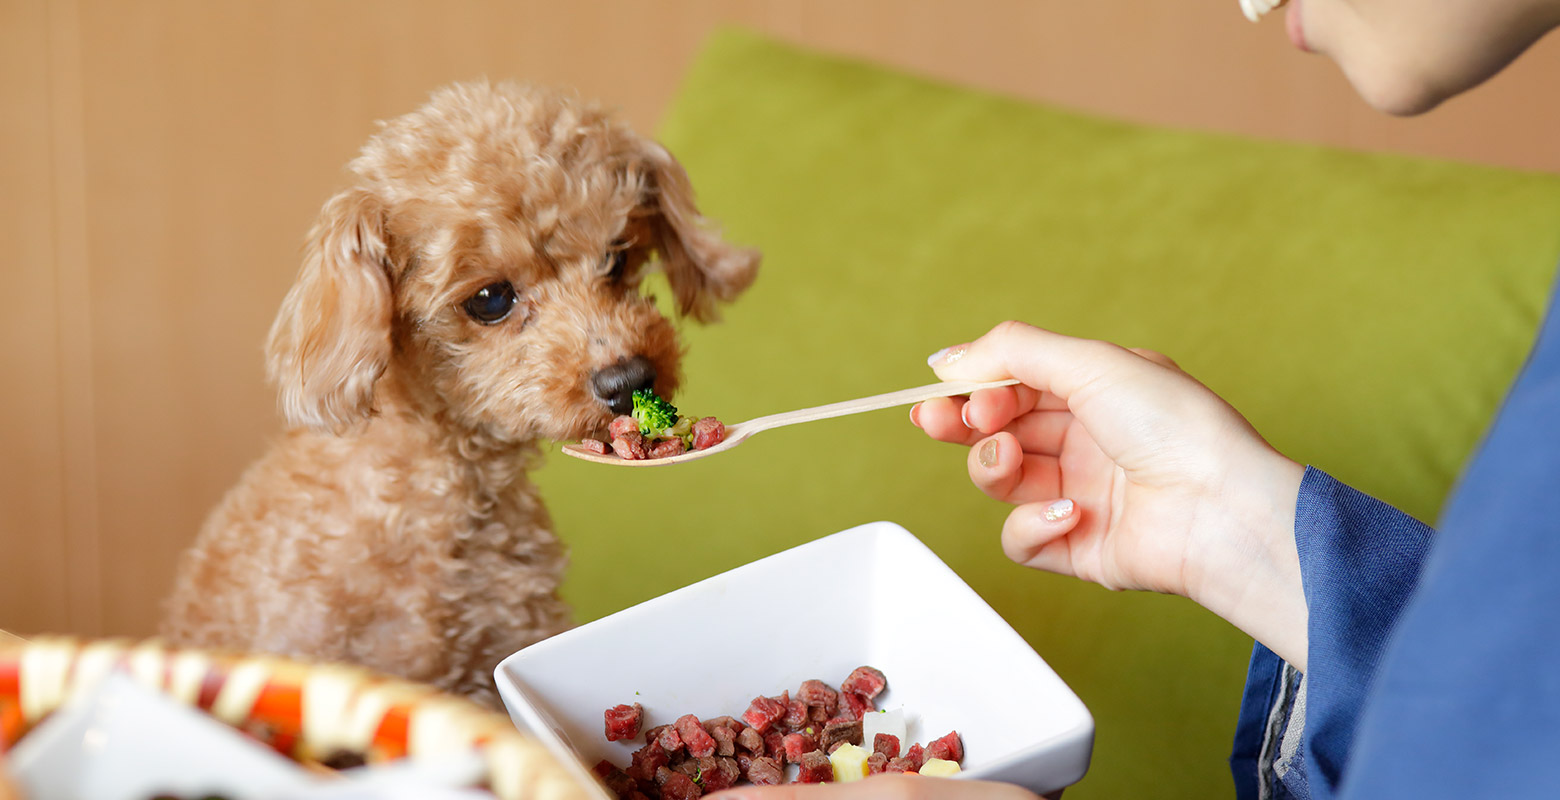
(1364, 311)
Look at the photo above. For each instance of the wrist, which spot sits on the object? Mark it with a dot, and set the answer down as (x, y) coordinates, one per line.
(1248, 571)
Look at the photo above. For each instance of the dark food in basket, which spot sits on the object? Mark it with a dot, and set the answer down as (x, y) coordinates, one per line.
(819, 729)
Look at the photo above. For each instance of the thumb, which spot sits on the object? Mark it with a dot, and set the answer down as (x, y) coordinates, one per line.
(1051, 362)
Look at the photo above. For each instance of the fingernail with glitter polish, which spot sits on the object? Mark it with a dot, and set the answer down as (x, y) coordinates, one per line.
(988, 454)
(1061, 509)
(947, 355)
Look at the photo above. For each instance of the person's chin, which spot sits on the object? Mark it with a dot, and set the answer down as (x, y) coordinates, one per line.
(1400, 98)
(1395, 90)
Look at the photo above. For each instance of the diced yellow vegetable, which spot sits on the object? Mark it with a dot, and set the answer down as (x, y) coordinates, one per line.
(850, 763)
(933, 768)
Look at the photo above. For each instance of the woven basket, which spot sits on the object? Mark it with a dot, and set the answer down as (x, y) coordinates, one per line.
(312, 713)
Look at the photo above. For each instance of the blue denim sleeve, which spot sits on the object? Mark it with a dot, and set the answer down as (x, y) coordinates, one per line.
(1466, 702)
(1360, 560)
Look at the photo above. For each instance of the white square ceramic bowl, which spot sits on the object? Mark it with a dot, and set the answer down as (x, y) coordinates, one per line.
(872, 595)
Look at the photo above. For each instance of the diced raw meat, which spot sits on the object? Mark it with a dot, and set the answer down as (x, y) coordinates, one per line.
(646, 760)
(666, 448)
(763, 712)
(948, 748)
(623, 721)
(816, 693)
(708, 432)
(815, 769)
(669, 739)
(621, 425)
(765, 771)
(725, 740)
(699, 741)
(865, 681)
(615, 779)
(774, 745)
(727, 721)
(840, 732)
(680, 787)
(752, 740)
(796, 714)
(732, 769)
(631, 446)
(855, 706)
(594, 446)
(714, 780)
(797, 744)
(693, 757)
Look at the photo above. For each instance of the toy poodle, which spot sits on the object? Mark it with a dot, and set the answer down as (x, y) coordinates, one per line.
(476, 289)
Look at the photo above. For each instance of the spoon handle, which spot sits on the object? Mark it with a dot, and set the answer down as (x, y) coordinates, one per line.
(888, 400)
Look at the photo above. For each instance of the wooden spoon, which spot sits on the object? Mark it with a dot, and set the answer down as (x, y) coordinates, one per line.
(742, 431)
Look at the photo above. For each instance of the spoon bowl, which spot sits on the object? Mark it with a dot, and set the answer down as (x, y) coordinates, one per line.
(739, 432)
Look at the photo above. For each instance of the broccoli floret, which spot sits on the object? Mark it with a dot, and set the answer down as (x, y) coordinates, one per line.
(653, 414)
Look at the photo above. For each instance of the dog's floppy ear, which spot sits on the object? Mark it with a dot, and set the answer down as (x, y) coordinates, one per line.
(331, 339)
(700, 266)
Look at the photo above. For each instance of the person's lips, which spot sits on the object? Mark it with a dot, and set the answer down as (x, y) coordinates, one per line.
(1296, 26)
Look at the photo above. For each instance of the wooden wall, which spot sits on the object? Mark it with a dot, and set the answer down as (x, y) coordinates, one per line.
(161, 160)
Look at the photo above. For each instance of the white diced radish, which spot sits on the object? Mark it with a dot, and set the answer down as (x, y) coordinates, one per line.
(890, 721)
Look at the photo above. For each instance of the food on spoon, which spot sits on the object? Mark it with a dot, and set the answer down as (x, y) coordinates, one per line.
(654, 416)
(654, 429)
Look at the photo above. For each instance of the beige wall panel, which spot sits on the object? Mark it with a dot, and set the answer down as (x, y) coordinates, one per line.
(33, 567)
(209, 133)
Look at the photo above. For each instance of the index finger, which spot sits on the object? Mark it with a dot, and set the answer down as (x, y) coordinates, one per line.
(1051, 362)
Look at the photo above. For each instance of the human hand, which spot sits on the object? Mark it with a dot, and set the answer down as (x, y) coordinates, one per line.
(1129, 473)
(883, 787)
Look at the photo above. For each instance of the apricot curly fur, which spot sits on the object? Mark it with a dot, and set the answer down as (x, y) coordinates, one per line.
(393, 524)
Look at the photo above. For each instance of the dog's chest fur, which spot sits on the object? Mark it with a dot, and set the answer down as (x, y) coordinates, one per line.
(397, 546)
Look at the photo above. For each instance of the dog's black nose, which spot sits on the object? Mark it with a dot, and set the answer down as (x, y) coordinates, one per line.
(615, 385)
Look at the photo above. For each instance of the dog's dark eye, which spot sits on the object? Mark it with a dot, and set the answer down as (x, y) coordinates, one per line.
(617, 261)
(491, 303)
